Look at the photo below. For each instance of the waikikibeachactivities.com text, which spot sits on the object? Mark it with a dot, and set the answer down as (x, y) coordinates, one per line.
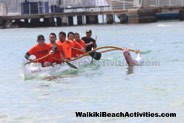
(123, 114)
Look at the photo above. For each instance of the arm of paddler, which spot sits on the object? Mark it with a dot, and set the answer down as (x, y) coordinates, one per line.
(27, 55)
(81, 50)
(88, 44)
(53, 49)
(78, 47)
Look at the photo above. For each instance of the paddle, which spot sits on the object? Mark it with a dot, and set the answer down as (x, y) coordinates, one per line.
(95, 55)
(27, 63)
(68, 63)
(71, 65)
(36, 60)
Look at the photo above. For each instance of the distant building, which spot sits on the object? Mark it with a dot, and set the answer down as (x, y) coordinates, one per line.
(34, 7)
(53, 2)
(77, 3)
(12, 6)
(3, 8)
(128, 4)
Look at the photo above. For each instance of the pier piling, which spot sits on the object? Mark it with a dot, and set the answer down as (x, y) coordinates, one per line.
(109, 19)
(79, 20)
(181, 14)
(70, 21)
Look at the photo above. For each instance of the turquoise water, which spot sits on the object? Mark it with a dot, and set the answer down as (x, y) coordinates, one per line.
(107, 85)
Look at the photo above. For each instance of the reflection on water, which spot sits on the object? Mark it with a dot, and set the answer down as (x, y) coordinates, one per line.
(130, 70)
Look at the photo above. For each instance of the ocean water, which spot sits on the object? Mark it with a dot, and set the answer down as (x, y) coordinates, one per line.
(108, 85)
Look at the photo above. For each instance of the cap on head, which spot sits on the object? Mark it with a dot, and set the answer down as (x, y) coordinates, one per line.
(40, 37)
(88, 31)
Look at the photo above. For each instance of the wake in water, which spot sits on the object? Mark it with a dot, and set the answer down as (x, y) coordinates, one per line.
(164, 25)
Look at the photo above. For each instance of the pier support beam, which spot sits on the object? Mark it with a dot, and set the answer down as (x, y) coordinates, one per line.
(59, 21)
(92, 19)
(147, 15)
(48, 22)
(181, 13)
(35, 22)
(70, 20)
(51, 22)
(133, 16)
(109, 19)
(26, 21)
(1, 21)
(143, 15)
(123, 18)
(8, 23)
(79, 20)
(20, 23)
(64, 21)
(45, 22)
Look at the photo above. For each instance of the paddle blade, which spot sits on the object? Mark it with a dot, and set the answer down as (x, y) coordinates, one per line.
(95, 55)
(71, 65)
(27, 63)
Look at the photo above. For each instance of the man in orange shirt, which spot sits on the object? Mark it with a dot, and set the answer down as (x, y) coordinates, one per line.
(75, 46)
(81, 42)
(62, 38)
(40, 51)
(61, 43)
(57, 55)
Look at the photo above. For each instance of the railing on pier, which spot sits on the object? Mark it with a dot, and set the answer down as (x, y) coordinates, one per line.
(128, 4)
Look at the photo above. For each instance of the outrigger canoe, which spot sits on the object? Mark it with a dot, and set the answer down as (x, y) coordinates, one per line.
(34, 70)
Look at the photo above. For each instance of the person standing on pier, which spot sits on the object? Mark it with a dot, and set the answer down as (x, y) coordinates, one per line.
(90, 42)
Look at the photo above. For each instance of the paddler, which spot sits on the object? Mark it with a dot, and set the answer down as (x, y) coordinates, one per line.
(74, 46)
(90, 42)
(81, 42)
(58, 53)
(40, 51)
(62, 38)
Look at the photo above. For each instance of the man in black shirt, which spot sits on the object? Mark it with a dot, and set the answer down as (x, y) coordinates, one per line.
(90, 42)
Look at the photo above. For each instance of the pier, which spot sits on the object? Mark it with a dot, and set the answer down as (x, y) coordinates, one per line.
(141, 14)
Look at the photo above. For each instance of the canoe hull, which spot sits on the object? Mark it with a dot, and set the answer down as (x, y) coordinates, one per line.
(33, 70)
